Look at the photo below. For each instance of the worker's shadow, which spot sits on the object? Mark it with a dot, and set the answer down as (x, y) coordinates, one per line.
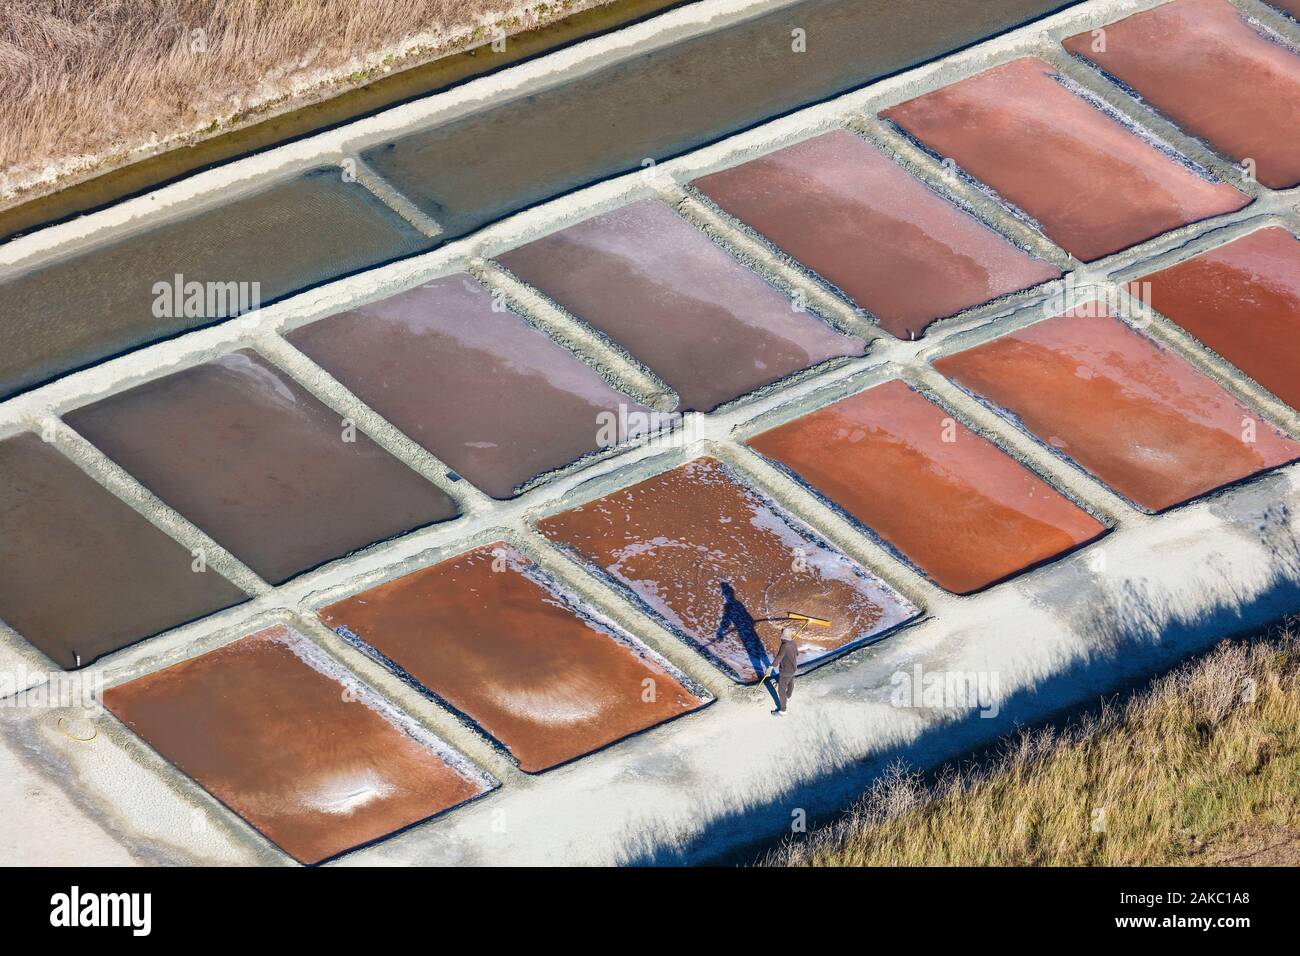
(735, 616)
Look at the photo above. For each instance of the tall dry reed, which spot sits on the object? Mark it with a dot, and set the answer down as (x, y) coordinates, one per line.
(87, 83)
(1202, 767)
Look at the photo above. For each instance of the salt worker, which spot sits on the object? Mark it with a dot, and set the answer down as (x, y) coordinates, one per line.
(785, 663)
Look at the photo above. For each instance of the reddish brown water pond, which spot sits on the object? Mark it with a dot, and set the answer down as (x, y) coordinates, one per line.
(1092, 185)
(1243, 301)
(487, 634)
(720, 562)
(1132, 413)
(1215, 74)
(961, 509)
(860, 221)
(266, 726)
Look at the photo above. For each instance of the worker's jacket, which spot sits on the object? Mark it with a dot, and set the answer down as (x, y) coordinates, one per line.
(787, 658)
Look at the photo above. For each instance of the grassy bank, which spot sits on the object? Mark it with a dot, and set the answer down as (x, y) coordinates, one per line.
(1202, 767)
(87, 85)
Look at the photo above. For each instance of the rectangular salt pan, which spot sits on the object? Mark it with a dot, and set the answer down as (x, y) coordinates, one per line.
(277, 732)
(722, 564)
(488, 634)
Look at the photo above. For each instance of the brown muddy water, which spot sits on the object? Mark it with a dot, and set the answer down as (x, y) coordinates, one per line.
(653, 283)
(267, 727)
(488, 394)
(502, 646)
(81, 573)
(252, 458)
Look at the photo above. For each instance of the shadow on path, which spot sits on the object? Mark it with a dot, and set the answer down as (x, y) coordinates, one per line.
(735, 616)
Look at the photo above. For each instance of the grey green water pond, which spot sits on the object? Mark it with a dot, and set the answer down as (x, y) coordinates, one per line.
(287, 236)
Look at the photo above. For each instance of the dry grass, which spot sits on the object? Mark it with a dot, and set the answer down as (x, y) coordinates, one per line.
(1202, 768)
(89, 83)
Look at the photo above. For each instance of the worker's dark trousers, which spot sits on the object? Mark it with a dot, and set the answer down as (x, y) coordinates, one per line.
(784, 688)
